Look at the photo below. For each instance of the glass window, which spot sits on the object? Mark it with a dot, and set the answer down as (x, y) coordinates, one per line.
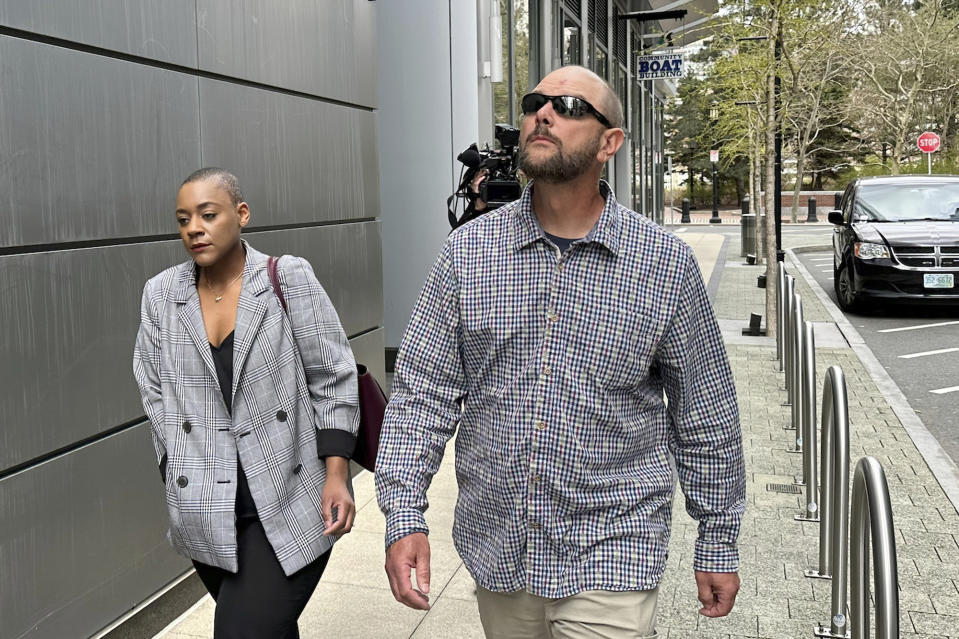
(515, 71)
(521, 63)
(571, 41)
(599, 61)
(501, 89)
(903, 202)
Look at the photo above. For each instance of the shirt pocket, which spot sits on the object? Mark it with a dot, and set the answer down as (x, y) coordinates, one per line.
(619, 345)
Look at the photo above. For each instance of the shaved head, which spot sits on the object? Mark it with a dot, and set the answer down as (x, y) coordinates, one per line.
(584, 83)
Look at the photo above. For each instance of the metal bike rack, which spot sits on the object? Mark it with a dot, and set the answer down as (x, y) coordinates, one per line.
(807, 438)
(872, 516)
(788, 335)
(796, 361)
(834, 522)
(780, 311)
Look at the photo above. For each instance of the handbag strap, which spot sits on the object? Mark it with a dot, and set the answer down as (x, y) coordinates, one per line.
(272, 268)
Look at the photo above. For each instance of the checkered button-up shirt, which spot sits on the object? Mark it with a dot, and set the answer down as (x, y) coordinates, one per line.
(566, 445)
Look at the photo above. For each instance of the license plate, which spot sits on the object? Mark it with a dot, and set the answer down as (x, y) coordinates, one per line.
(938, 280)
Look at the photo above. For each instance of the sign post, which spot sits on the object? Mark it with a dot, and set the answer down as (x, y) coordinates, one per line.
(928, 143)
(714, 158)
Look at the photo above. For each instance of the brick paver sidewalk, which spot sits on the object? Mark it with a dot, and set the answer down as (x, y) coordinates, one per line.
(776, 600)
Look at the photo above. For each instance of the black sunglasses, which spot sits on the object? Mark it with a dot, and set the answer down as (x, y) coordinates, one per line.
(565, 105)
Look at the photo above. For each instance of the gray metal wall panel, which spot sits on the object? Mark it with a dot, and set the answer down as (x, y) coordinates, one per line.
(162, 30)
(323, 47)
(69, 319)
(298, 160)
(90, 147)
(82, 539)
(347, 261)
(368, 349)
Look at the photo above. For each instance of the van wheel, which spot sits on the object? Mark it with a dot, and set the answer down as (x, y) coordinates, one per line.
(849, 300)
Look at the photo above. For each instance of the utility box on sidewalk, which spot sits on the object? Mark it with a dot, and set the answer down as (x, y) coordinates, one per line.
(747, 233)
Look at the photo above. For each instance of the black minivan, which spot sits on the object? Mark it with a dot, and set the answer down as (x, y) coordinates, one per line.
(897, 239)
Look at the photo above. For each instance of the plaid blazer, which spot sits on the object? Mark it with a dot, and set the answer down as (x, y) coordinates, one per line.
(292, 375)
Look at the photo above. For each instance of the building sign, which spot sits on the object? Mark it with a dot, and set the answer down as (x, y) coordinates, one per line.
(657, 67)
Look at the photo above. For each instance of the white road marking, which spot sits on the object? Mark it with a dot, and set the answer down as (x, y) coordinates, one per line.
(925, 353)
(820, 259)
(943, 391)
(828, 270)
(914, 328)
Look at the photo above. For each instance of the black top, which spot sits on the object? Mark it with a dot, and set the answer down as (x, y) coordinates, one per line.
(223, 361)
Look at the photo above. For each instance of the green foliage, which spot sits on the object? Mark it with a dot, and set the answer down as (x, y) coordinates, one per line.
(856, 76)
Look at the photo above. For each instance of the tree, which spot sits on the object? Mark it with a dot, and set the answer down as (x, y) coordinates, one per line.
(904, 60)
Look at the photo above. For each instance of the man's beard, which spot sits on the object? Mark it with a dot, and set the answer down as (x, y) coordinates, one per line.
(559, 167)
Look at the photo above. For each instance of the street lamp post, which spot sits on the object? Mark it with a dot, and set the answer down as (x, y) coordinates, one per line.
(713, 157)
(692, 144)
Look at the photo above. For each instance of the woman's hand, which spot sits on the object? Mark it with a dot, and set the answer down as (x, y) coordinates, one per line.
(338, 507)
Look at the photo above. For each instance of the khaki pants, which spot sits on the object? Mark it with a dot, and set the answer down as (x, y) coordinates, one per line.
(591, 614)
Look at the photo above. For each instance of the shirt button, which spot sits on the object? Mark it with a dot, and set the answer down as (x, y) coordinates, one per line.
(547, 370)
(187, 427)
(182, 481)
(540, 425)
(281, 415)
(297, 469)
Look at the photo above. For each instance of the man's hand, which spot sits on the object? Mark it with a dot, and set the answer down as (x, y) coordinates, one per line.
(717, 592)
(410, 553)
(338, 507)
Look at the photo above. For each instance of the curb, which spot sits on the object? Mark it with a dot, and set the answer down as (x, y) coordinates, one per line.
(943, 467)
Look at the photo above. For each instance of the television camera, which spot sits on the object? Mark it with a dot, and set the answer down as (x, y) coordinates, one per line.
(501, 184)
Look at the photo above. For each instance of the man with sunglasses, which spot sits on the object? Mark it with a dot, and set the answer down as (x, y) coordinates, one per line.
(572, 343)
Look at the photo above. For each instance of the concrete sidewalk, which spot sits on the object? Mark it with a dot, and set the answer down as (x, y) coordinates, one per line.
(776, 601)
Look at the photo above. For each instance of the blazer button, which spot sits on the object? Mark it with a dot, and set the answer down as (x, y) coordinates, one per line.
(297, 469)
(281, 415)
(182, 481)
(187, 427)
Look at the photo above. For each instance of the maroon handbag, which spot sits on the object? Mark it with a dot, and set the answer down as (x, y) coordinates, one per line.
(371, 395)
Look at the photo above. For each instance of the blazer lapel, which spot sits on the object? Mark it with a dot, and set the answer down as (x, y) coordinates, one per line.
(190, 315)
(250, 311)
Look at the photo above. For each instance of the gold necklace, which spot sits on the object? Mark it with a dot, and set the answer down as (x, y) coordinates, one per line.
(217, 298)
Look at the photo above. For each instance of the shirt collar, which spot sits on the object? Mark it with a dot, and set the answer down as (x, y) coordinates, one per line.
(526, 228)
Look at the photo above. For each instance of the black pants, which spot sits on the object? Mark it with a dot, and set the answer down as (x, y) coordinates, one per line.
(259, 601)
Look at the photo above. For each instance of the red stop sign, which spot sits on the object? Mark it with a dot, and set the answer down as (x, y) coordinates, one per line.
(928, 142)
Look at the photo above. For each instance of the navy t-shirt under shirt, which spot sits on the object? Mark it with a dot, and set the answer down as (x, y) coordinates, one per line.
(561, 242)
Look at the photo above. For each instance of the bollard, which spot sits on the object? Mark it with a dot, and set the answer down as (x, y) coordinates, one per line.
(834, 525)
(787, 335)
(808, 424)
(780, 295)
(795, 389)
(872, 517)
(811, 210)
(685, 216)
